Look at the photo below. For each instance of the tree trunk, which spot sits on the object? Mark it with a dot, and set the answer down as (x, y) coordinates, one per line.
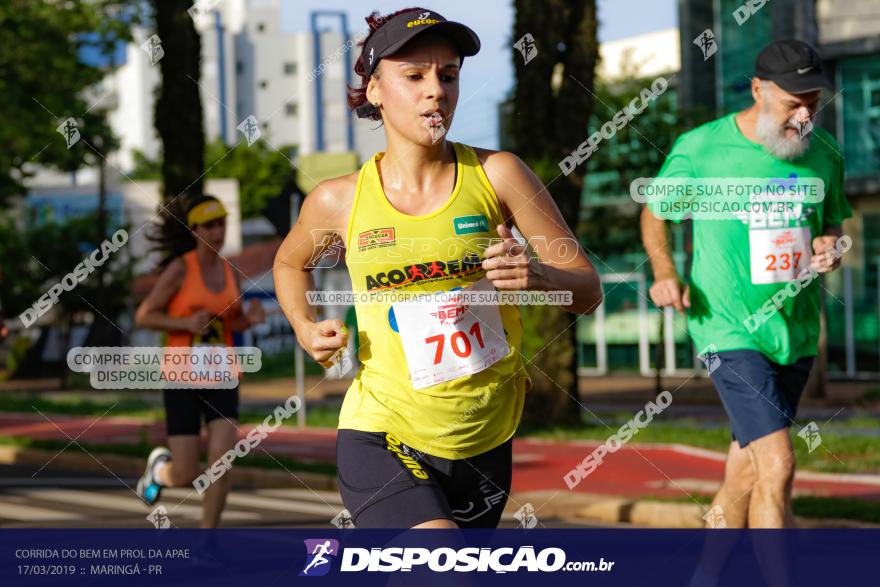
(179, 106)
(549, 120)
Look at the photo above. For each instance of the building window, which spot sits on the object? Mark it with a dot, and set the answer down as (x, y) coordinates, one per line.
(290, 109)
(264, 84)
(290, 68)
(859, 99)
(239, 67)
(738, 48)
(261, 27)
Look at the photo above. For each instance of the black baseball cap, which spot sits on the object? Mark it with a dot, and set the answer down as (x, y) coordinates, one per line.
(401, 29)
(793, 65)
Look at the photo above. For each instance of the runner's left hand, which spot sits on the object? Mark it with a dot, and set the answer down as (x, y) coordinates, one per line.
(508, 265)
(824, 258)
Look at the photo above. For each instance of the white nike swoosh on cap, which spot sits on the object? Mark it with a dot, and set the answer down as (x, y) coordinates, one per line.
(803, 70)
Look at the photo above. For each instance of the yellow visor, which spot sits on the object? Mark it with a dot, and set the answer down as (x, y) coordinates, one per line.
(205, 212)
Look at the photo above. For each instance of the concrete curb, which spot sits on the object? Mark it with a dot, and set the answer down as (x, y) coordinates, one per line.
(117, 465)
(643, 512)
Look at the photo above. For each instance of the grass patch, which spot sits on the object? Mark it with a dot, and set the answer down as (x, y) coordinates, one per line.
(837, 507)
(143, 448)
(281, 366)
(73, 405)
(871, 395)
(838, 453)
(320, 416)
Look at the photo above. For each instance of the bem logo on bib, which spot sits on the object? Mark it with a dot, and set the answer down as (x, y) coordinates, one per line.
(786, 238)
(451, 313)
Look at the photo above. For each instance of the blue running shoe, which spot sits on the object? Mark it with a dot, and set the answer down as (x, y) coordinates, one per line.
(148, 489)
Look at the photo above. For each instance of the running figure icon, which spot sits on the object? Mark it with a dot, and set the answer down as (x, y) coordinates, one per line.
(318, 555)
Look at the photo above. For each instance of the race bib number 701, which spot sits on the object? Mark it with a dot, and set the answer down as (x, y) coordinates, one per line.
(445, 338)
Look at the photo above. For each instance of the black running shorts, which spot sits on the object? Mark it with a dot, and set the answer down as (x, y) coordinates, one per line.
(386, 484)
(184, 408)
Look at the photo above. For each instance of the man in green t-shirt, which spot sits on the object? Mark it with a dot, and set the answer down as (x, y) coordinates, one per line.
(765, 191)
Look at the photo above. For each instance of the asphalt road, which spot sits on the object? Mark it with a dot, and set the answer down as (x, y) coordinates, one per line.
(65, 499)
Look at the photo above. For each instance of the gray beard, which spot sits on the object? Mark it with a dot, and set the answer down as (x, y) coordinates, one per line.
(772, 137)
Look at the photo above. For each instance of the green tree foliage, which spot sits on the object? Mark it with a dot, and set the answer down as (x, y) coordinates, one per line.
(36, 258)
(39, 256)
(609, 225)
(552, 102)
(261, 171)
(42, 83)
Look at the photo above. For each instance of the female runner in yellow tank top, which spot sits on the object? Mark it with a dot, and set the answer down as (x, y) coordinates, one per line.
(425, 429)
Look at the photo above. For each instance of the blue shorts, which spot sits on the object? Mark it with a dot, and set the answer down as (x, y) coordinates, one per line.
(759, 396)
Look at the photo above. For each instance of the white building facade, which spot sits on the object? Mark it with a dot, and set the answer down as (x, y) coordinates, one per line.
(250, 67)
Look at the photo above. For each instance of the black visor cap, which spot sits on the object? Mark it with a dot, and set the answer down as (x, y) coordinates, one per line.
(401, 29)
(792, 65)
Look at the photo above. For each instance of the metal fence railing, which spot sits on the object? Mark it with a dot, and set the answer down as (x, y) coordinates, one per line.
(624, 330)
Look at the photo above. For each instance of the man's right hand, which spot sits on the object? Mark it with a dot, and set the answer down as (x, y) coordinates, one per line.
(669, 292)
(324, 339)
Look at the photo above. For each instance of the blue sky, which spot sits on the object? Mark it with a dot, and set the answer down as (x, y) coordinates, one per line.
(488, 77)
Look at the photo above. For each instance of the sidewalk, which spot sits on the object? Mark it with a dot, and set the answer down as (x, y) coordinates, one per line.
(634, 471)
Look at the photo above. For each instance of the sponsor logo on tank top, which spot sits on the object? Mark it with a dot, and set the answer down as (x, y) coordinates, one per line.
(469, 224)
(433, 271)
(376, 238)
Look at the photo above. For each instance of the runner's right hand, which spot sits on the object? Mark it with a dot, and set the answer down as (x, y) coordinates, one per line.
(198, 323)
(669, 292)
(324, 339)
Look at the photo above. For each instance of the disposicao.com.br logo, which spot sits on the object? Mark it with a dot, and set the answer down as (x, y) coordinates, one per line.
(319, 556)
(442, 559)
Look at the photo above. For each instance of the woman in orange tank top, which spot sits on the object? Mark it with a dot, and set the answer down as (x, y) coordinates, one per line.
(196, 301)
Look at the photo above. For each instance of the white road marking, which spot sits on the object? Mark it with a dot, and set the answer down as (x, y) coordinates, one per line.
(25, 513)
(129, 503)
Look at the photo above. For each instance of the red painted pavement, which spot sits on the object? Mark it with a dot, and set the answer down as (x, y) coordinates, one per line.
(633, 471)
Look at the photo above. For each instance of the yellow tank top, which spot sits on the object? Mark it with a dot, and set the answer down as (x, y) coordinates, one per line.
(388, 250)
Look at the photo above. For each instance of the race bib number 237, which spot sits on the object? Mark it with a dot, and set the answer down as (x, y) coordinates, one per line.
(779, 254)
